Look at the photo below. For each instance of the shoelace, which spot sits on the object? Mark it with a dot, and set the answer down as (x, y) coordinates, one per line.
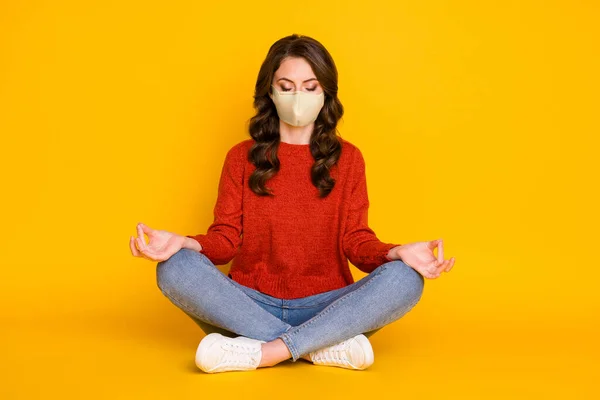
(233, 350)
(336, 354)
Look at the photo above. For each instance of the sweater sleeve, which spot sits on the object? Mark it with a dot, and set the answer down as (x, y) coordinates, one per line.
(222, 240)
(361, 245)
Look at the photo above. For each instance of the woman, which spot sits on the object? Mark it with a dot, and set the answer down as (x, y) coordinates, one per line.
(289, 292)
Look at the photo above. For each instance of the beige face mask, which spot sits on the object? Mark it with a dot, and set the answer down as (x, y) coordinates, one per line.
(298, 108)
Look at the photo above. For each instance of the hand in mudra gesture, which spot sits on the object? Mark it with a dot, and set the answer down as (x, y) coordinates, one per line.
(420, 257)
(162, 244)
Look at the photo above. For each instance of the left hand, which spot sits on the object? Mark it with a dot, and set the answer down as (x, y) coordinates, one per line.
(420, 257)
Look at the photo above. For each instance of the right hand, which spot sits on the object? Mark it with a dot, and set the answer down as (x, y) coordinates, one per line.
(161, 247)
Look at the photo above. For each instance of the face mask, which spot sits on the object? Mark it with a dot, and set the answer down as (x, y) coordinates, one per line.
(297, 108)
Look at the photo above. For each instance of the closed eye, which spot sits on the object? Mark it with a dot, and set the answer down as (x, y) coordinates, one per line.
(288, 90)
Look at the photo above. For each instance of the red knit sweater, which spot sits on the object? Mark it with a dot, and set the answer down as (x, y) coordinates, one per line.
(294, 244)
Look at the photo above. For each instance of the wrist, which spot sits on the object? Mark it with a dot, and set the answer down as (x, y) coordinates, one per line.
(394, 253)
(191, 243)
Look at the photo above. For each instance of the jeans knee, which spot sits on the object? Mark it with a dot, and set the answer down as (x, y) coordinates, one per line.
(171, 272)
(407, 279)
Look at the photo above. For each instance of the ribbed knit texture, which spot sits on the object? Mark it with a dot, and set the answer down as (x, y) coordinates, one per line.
(294, 244)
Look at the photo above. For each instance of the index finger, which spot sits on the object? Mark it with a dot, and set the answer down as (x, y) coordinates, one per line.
(141, 238)
(440, 255)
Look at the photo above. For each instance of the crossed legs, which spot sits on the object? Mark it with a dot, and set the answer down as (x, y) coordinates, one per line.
(196, 286)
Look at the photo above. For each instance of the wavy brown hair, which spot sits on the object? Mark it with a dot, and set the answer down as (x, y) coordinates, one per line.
(325, 145)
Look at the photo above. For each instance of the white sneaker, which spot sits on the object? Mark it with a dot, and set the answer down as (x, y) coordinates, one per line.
(218, 353)
(353, 353)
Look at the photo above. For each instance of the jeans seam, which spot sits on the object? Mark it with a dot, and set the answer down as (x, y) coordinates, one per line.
(188, 309)
(330, 301)
(278, 300)
(259, 300)
(406, 309)
(315, 305)
(285, 336)
(222, 276)
(291, 346)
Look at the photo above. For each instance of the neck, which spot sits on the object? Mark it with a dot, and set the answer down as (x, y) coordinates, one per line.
(295, 134)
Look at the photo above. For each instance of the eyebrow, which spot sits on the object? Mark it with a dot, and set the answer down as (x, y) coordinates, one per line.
(289, 80)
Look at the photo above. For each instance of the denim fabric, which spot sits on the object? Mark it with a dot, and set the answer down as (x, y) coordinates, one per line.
(217, 303)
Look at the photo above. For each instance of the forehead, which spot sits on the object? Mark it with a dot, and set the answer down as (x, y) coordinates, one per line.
(296, 69)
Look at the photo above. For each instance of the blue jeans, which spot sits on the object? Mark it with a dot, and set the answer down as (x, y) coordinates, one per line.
(217, 303)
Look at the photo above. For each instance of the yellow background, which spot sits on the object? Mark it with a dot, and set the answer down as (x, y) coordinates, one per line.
(479, 124)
